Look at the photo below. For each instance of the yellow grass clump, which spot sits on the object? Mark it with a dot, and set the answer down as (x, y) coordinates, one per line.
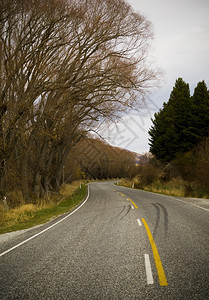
(69, 189)
(17, 215)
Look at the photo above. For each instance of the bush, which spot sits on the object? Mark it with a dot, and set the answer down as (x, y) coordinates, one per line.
(202, 164)
(149, 174)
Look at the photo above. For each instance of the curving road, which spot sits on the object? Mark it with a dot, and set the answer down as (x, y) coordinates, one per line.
(120, 244)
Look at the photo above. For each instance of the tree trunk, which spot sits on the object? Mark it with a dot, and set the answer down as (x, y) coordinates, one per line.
(2, 183)
(63, 153)
(24, 177)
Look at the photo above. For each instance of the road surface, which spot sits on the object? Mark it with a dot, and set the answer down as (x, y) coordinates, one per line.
(120, 244)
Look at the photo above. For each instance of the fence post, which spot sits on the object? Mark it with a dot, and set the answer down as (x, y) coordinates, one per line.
(5, 203)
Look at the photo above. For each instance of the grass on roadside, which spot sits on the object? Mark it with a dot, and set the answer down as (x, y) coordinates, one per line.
(29, 215)
(175, 187)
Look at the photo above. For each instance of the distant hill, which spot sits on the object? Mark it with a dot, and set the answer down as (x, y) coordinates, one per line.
(94, 158)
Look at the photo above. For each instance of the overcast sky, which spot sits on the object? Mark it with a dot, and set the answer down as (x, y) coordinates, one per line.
(181, 49)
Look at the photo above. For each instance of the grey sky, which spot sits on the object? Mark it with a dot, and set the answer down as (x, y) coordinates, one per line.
(181, 49)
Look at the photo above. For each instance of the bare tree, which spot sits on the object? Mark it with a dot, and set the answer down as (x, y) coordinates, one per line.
(65, 66)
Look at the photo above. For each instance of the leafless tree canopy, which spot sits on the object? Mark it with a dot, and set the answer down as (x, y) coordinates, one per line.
(65, 66)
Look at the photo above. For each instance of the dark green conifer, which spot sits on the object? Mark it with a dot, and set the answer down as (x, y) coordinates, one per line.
(174, 126)
(201, 110)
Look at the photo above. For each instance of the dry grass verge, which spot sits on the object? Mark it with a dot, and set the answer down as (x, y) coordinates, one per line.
(27, 215)
(174, 187)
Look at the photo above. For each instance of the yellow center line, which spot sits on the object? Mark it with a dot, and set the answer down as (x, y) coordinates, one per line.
(121, 194)
(158, 263)
(134, 204)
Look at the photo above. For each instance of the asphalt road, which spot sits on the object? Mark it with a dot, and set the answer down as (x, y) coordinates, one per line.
(121, 244)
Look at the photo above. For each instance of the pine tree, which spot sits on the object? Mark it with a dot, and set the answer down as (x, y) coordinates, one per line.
(201, 110)
(162, 135)
(182, 122)
(171, 132)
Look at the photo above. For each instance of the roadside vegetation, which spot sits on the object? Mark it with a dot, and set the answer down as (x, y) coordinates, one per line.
(179, 144)
(174, 187)
(178, 178)
(29, 215)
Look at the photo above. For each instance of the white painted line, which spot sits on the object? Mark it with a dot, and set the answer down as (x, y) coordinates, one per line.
(148, 269)
(37, 234)
(127, 199)
(167, 196)
(189, 203)
(132, 206)
(139, 222)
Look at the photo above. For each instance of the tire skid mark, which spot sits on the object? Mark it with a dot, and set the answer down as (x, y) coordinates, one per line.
(160, 208)
(129, 208)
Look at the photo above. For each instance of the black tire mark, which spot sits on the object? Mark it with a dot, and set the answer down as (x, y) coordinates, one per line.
(119, 213)
(158, 218)
(165, 217)
(129, 208)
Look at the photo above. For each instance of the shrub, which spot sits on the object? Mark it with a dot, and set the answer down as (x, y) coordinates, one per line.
(202, 164)
(149, 174)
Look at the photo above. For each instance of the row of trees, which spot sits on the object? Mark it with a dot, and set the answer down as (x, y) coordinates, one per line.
(65, 66)
(182, 122)
(94, 159)
(179, 141)
(187, 174)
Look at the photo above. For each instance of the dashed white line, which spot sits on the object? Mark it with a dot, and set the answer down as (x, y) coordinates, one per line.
(139, 222)
(148, 269)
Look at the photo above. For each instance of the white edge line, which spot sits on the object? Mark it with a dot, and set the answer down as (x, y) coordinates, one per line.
(139, 222)
(39, 233)
(189, 203)
(167, 196)
(148, 269)
(132, 206)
